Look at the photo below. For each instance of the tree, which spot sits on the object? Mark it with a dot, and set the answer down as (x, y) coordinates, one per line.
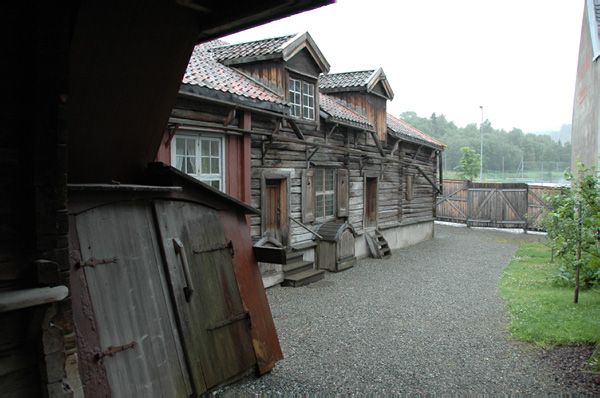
(469, 165)
(573, 226)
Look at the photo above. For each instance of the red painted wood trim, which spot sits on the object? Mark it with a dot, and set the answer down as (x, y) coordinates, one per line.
(247, 274)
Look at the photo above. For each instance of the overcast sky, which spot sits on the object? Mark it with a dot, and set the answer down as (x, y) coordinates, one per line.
(516, 58)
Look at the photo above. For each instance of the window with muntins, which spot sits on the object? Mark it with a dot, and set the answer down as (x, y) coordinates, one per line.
(302, 99)
(200, 156)
(324, 193)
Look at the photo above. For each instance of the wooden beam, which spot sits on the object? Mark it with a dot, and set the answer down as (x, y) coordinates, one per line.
(429, 180)
(296, 129)
(418, 150)
(378, 143)
(172, 134)
(230, 116)
(327, 134)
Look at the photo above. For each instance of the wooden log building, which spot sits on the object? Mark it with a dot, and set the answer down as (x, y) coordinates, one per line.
(89, 88)
(335, 176)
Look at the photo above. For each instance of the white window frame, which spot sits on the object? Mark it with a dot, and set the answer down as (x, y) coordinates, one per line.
(199, 139)
(302, 98)
(321, 192)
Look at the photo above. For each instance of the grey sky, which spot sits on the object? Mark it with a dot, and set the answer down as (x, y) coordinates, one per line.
(517, 58)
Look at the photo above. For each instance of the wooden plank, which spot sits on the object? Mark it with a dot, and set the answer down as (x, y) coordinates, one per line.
(120, 295)
(213, 356)
(264, 335)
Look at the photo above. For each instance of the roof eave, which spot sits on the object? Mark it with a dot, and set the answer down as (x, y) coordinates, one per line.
(200, 93)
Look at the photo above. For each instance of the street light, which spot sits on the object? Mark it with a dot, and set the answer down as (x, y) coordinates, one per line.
(481, 151)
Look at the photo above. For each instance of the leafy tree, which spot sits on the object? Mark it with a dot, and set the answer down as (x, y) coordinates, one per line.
(573, 227)
(469, 165)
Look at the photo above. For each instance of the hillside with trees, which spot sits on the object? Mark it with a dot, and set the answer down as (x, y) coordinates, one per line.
(506, 155)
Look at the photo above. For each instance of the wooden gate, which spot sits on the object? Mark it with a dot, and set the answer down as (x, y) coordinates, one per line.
(493, 205)
(452, 205)
(497, 205)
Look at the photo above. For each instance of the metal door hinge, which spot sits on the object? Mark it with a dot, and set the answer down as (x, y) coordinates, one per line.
(110, 351)
(228, 245)
(229, 321)
(92, 262)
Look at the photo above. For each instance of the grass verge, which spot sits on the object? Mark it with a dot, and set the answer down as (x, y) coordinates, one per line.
(541, 312)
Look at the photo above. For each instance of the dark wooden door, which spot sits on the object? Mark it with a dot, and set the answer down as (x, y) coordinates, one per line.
(130, 300)
(212, 321)
(275, 211)
(370, 202)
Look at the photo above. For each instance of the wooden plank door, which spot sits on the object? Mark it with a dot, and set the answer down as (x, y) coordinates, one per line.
(130, 300)
(370, 202)
(212, 320)
(276, 209)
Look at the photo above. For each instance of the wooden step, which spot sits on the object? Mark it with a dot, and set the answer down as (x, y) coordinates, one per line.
(297, 267)
(303, 278)
(292, 256)
(378, 245)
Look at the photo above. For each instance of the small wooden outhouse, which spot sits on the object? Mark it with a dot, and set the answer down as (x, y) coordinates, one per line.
(167, 296)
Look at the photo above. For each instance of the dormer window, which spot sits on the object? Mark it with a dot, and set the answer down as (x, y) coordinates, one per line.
(302, 99)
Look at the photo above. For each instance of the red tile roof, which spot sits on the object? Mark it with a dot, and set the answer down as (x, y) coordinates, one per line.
(204, 70)
(401, 129)
(338, 111)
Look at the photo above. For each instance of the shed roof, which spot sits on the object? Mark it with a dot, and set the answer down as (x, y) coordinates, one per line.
(403, 130)
(335, 109)
(284, 47)
(355, 81)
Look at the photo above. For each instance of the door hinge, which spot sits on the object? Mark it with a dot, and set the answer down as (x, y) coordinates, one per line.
(228, 245)
(110, 351)
(92, 262)
(229, 321)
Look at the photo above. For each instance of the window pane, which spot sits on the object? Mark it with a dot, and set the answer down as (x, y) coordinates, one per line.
(190, 147)
(190, 165)
(205, 148)
(319, 180)
(205, 166)
(179, 163)
(180, 146)
(214, 166)
(329, 205)
(215, 184)
(319, 206)
(214, 148)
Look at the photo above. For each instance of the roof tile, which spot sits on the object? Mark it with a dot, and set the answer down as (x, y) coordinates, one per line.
(204, 70)
(339, 111)
(256, 48)
(402, 129)
(345, 79)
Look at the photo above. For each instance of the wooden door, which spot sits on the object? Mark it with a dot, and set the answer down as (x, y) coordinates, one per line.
(130, 300)
(275, 211)
(370, 202)
(212, 320)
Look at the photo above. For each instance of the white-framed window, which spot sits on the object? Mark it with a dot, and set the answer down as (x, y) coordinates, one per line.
(324, 193)
(302, 99)
(201, 156)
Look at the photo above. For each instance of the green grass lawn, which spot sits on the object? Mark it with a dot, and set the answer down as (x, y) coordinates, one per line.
(540, 311)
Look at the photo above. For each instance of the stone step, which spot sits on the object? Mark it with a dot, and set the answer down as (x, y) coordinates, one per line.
(303, 278)
(297, 267)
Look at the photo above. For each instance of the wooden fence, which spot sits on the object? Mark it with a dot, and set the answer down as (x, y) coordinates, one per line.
(512, 205)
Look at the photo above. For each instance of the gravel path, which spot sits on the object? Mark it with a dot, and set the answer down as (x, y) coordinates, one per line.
(428, 320)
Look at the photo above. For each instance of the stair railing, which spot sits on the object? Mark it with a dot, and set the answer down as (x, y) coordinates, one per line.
(306, 228)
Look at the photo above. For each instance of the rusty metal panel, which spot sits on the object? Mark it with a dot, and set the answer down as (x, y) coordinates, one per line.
(215, 355)
(128, 303)
(264, 336)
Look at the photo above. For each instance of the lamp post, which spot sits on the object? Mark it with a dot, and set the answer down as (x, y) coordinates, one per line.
(481, 151)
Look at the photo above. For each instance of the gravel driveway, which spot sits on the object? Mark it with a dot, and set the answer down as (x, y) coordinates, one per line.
(428, 320)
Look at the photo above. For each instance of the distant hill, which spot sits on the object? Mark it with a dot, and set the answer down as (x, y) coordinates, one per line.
(563, 135)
